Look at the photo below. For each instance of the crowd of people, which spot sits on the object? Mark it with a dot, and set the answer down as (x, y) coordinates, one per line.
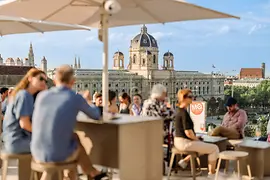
(41, 121)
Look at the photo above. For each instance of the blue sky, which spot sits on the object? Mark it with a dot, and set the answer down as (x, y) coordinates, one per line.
(228, 44)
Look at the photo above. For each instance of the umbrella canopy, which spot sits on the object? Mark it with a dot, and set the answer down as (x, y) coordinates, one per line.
(87, 12)
(14, 25)
(108, 13)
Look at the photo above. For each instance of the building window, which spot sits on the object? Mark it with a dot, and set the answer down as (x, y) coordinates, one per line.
(86, 85)
(94, 85)
(219, 89)
(207, 90)
(109, 85)
(143, 61)
(154, 59)
(134, 59)
(123, 90)
(116, 85)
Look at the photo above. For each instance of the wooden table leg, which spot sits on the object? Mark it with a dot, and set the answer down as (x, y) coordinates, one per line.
(24, 169)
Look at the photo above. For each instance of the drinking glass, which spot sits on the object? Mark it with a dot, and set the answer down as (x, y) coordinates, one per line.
(258, 133)
(202, 127)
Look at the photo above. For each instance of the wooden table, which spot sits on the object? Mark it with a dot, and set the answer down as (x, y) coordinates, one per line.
(131, 144)
(259, 157)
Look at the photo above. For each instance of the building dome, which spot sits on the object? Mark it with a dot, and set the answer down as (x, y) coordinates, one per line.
(18, 60)
(10, 61)
(119, 53)
(168, 54)
(144, 40)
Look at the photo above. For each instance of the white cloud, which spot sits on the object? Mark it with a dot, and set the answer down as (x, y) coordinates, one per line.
(255, 28)
(224, 30)
(116, 36)
(91, 38)
(161, 35)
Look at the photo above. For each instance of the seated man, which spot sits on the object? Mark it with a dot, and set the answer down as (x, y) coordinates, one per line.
(233, 123)
(98, 102)
(54, 120)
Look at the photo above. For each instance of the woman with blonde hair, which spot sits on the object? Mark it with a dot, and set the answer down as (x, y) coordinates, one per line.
(17, 125)
(185, 137)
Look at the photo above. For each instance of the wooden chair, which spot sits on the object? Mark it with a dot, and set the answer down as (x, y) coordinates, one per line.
(194, 155)
(233, 156)
(5, 157)
(51, 169)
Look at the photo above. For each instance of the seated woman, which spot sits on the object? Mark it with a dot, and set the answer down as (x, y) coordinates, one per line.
(137, 105)
(17, 126)
(185, 138)
(113, 108)
(125, 104)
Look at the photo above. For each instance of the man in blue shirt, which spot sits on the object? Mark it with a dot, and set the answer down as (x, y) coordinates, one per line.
(54, 120)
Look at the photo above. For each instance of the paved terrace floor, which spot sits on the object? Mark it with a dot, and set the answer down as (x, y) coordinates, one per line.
(12, 175)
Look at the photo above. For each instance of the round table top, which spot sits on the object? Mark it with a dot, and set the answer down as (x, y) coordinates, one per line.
(233, 155)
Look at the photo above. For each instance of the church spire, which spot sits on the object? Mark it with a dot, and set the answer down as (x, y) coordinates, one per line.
(31, 55)
(75, 63)
(79, 63)
(1, 59)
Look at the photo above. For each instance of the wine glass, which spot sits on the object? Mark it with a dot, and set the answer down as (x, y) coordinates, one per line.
(202, 127)
(210, 129)
(258, 133)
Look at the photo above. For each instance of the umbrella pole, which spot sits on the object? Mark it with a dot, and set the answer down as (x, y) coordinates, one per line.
(105, 79)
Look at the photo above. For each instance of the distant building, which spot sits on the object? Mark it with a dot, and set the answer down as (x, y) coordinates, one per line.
(247, 82)
(12, 71)
(143, 71)
(229, 80)
(253, 73)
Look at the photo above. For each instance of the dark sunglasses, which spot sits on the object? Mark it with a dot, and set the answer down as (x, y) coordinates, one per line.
(186, 96)
(43, 79)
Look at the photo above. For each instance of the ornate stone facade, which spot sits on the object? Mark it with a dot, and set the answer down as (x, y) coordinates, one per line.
(143, 72)
(12, 71)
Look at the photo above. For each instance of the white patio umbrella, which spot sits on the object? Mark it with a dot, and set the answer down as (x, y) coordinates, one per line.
(108, 13)
(14, 25)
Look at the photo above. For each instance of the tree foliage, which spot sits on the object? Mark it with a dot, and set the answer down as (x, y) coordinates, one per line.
(251, 97)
